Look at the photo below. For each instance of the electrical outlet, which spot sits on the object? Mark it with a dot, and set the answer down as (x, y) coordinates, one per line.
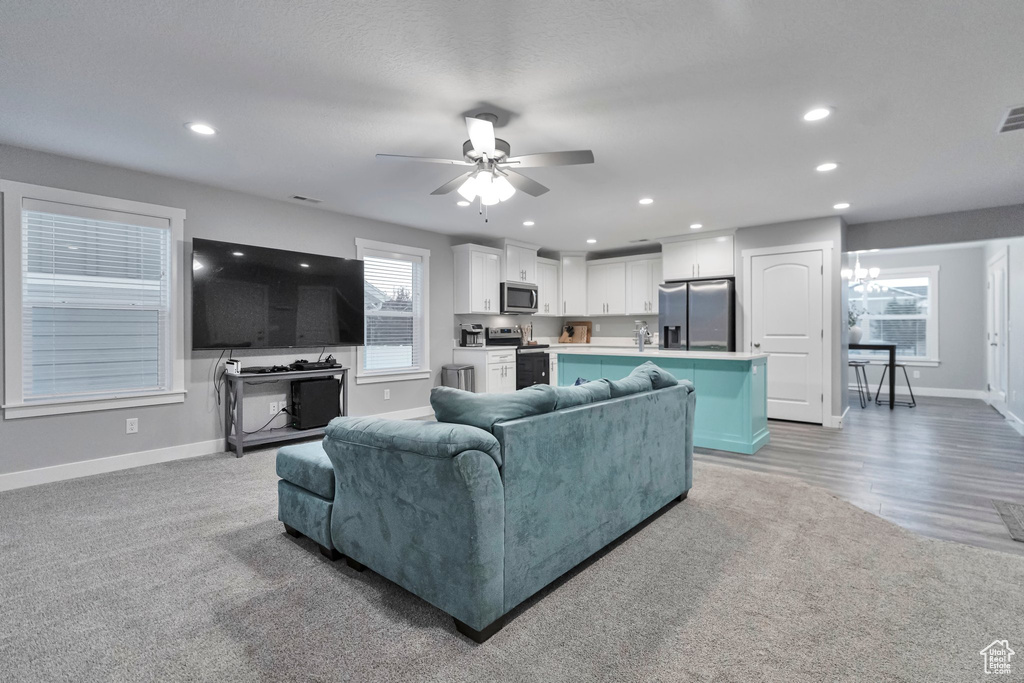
(917, 374)
(274, 410)
(597, 327)
(131, 425)
(387, 394)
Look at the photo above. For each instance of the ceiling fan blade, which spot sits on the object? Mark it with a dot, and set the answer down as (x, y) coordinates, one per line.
(579, 156)
(527, 185)
(481, 134)
(429, 160)
(453, 184)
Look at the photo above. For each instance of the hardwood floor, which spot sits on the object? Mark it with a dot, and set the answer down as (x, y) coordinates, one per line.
(933, 469)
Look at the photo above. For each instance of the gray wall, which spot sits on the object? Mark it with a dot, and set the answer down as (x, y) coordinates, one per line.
(961, 312)
(946, 228)
(222, 215)
(828, 229)
(1015, 268)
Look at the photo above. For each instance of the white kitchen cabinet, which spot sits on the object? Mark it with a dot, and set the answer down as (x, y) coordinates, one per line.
(477, 279)
(553, 369)
(501, 378)
(494, 370)
(548, 296)
(700, 258)
(715, 257)
(574, 284)
(606, 288)
(642, 280)
(520, 263)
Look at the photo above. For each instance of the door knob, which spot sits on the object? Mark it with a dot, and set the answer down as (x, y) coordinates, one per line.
(757, 345)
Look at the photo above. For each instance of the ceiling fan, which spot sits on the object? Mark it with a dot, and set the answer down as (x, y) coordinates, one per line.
(494, 176)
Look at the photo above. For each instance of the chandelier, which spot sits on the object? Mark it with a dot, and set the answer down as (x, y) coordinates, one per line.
(863, 277)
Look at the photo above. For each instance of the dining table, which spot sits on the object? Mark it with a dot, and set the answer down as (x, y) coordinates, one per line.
(891, 348)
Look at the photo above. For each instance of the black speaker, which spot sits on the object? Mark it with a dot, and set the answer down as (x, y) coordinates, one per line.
(315, 402)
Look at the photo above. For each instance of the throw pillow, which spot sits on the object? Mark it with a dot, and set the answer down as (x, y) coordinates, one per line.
(484, 410)
(634, 383)
(582, 394)
(660, 378)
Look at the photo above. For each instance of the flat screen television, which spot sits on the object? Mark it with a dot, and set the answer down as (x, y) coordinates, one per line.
(246, 297)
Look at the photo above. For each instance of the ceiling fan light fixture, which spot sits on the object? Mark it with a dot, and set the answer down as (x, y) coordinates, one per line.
(503, 188)
(468, 189)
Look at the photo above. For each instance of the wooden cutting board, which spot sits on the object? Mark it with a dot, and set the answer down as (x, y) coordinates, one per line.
(580, 333)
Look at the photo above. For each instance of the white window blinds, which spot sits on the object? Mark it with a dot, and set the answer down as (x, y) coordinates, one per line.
(899, 308)
(95, 302)
(394, 323)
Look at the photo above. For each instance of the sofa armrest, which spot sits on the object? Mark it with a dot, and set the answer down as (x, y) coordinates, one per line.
(416, 506)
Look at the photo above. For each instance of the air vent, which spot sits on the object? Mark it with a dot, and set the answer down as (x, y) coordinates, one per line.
(1014, 120)
(306, 199)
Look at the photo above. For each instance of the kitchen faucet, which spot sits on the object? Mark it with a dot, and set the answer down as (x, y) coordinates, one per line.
(643, 335)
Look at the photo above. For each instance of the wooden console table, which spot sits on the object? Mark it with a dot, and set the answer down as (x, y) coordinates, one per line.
(234, 387)
(891, 348)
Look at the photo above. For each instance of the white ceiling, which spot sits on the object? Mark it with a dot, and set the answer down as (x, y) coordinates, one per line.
(697, 104)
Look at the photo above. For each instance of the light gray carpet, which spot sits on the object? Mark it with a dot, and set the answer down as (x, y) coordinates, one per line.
(181, 572)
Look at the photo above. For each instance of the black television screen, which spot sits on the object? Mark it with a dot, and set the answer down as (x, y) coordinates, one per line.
(257, 298)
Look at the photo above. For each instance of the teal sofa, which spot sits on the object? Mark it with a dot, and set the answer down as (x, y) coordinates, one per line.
(476, 518)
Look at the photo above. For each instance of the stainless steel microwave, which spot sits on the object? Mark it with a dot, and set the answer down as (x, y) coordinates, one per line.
(518, 297)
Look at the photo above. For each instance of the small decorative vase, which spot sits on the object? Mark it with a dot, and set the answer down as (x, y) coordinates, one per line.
(855, 334)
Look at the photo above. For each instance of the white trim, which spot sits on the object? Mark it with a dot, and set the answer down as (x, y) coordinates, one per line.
(836, 421)
(933, 392)
(14, 195)
(114, 463)
(376, 378)
(86, 468)
(1015, 422)
(13, 412)
(407, 414)
(694, 235)
(1001, 254)
(398, 251)
(827, 323)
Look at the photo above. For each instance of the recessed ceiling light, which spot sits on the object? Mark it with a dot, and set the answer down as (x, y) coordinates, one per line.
(462, 202)
(842, 205)
(528, 224)
(817, 114)
(304, 265)
(237, 253)
(827, 166)
(201, 128)
(646, 200)
(591, 241)
(696, 226)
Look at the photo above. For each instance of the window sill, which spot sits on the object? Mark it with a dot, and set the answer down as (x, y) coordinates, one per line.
(20, 410)
(392, 377)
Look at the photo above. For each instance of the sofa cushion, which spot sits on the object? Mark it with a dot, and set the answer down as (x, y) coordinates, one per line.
(634, 383)
(307, 466)
(582, 394)
(483, 410)
(660, 378)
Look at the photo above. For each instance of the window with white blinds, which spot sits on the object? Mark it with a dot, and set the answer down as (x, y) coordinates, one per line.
(899, 307)
(395, 310)
(92, 305)
(95, 305)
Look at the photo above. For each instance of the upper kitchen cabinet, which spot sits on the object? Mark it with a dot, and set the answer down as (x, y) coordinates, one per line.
(520, 262)
(642, 280)
(574, 284)
(477, 279)
(549, 300)
(698, 258)
(606, 288)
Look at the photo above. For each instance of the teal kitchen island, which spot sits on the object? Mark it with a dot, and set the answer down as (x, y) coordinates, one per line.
(732, 397)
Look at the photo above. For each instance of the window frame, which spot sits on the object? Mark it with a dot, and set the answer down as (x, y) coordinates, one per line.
(366, 247)
(15, 406)
(931, 320)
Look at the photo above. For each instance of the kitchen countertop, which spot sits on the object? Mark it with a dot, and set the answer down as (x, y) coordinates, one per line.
(593, 349)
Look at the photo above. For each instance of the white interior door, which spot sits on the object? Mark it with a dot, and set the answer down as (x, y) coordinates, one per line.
(995, 334)
(786, 319)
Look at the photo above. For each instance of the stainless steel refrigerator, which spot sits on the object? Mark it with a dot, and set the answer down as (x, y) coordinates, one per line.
(698, 315)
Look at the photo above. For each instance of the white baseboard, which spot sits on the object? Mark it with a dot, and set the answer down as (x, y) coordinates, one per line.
(87, 468)
(836, 421)
(901, 392)
(1015, 422)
